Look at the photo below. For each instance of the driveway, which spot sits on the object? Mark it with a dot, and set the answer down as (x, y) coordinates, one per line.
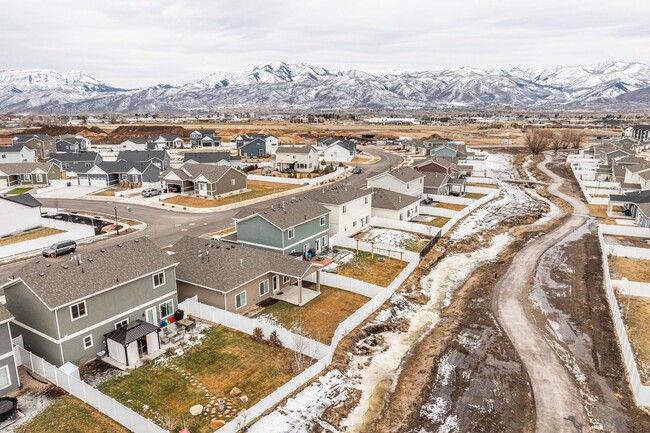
(68, 192)
(558, 403)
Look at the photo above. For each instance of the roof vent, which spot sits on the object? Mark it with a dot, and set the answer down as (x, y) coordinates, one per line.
(119, 245)
(48, 265)
(227, 248)
(37, 261)
(136, 241)
(103, 250)
(90, 259)
(41, 274)
(65, 266)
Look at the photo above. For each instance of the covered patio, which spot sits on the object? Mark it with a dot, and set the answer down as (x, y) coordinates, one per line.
(127, 345)
(297, 294)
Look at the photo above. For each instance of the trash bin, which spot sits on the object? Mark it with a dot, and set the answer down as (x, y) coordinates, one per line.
(68, 183)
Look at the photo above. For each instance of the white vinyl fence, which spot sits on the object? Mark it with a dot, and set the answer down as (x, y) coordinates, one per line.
(437, 211)
(86, 393)
(641, 392)
(404, 225)
(588, 176)
(324, 178)
(466, 211)
(632, 288)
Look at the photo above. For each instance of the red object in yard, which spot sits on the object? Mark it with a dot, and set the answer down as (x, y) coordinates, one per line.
(184, 431)
(171, 320)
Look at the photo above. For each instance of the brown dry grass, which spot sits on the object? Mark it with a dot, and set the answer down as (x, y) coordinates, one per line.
(635, 311)
(69, 415)
(632, 269)
(223, 232)
(28, 236)
(110, 192)
(320, 317)
(451, 206)
(365, 268)
(437, 221)
(257, 189)
(483, 185)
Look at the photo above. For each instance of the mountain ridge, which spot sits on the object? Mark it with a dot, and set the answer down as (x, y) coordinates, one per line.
(284, 87)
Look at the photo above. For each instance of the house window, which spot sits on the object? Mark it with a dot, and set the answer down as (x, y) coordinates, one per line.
(158, 279)
(292, 233)
(240, 300)
(345, 208)
(306, 247)
(366, 200)
(354, 223)
(66, 166)
(232, 182)
(401, 217)
(166, 309)
(88, 342)
(5, 377)
(121, 323)
(264, 287)
(367, 219)
(39, 178)
(26, 177)
(325, 240)
(77, 311)
(322, 221)
(286, 279)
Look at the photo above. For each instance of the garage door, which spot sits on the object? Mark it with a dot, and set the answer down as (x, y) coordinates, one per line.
(83, 181)
(3, 183)
(98, 181)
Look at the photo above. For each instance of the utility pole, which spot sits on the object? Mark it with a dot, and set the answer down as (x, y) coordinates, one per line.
(117, 227)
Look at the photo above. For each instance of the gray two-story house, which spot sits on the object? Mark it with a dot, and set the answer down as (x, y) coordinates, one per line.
(9, 379)
(295, 227)
(67, 311)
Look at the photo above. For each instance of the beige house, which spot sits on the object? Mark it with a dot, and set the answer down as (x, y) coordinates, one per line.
(204, 180)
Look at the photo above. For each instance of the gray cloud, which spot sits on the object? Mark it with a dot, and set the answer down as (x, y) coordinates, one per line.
(138, 43)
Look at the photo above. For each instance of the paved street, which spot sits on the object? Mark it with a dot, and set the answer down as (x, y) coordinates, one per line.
(165, 227)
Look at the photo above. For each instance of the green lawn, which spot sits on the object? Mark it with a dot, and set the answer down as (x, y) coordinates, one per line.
(319, 317)
(474, 195)
(66, 414)
(224, 359)
(437, 221)
(17, 191)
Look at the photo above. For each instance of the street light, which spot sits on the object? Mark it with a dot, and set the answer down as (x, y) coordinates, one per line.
(117, 227)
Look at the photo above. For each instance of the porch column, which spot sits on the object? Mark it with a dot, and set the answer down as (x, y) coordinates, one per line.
(300, 292)
(318, 280)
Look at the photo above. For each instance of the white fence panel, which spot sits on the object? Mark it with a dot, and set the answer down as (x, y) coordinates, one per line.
(479, 189)
(344, 242)
(450, 199)
(625, 231)
(272, 179)
(405, 225)
(632, 288)
(476, 179)
(437, 211)
(630, 252)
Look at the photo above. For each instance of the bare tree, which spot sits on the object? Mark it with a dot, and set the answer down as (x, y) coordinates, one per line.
(302, 344)
(574, 140)
(537, 141)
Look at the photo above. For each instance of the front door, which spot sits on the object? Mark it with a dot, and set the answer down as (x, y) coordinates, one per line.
(142, 347)
(150, 316)
(203, 189)
(317, 245)
(276, 283)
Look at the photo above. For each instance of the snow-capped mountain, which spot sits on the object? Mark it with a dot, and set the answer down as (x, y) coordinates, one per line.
(281, 86)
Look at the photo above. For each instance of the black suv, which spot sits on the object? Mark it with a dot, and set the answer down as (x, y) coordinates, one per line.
(60, 248)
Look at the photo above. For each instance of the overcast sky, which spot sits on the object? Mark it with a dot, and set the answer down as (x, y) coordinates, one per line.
(145, 42)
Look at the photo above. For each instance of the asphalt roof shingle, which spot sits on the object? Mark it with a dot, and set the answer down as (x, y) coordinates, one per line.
(289, 214)
(338, 195)
(24, 199)
(385, 199)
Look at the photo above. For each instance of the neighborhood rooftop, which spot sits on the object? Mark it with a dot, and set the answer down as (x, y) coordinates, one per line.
(191, 171)
(288, 213)
(295, 148)
(224, 266)
(405, 174)
(60, 282)
(385, 199)
(206, 157)
(24, 167)
(24, 199)
(337, 195)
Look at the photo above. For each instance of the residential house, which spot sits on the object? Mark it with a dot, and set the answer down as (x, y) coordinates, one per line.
(9, 379)
(439, 165)
(33, 174)
(323, 142)
(292, 227)
(394, 205)
(350, 208)
(340, 151)
(159, 158)
(637, 202)
(204, 138)
(138, 143)
(256, 148)
(234, 277)
(69, 311)
(638, 174)
(72, 143)
(111, 173)
(42, 144)
(19, 213)
(405, 180)
(216, 158)
(298, 158)
(424, 147)
(204, 180)
(436, 183)
(638, 133)
(17, 153)
(271, 143)
(167, 141)
(75, 162)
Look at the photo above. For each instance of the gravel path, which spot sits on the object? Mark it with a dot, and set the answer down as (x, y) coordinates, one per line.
(558, 403)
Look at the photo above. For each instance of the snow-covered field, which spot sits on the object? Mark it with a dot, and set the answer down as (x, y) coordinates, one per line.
(389, 237)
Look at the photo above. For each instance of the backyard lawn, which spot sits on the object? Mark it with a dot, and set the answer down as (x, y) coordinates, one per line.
(437, 221)
(363, 267)
(319, 317)
(66, 414)
(632, 269)
(451, 206)
(257, 189)
(635, 312)
(474, 195)
(17, 191)
(165, 390)
(29, 235)
(483, 185)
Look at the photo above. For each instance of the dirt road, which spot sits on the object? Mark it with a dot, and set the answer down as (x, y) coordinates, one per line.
(558, 404)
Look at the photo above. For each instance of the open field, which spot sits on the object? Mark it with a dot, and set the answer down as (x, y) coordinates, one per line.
(17, 191)
(371, 270)
(451, 206)
(29, 235)
(257, 189)
(222, 360)
(66, 414)
(632, 269)
(636, 311)
(319, 317)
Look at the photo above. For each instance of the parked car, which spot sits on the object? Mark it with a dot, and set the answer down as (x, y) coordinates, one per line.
(150, 192)
(357, 170)
(427, 200)
(60, 248)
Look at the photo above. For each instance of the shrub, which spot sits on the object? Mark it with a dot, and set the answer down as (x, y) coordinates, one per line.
(258, 334)
(274, 340)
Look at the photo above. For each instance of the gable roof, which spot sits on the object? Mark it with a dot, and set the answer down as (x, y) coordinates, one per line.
(632, 197)
(119, 166)
(131, 332)
(224, 266)
(190, 171)
(24, 199)
(24, 167)
(338, 195)
(385, 199)
(345, 144)
(444, 162)
(141, 155)
(405, 174)
(435, 179)
(254, 142)
(296, 148)
(136, 140)
(74, 157)
(208, 157)
(23, 138)
(288, 214)
(204, 131)
(61, 282)
(13, 148)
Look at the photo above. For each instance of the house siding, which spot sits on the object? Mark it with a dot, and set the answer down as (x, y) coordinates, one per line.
(259, 231)
(307, 232)
(6, 347)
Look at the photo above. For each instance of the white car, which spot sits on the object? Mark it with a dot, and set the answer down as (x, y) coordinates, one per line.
(150, 192)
